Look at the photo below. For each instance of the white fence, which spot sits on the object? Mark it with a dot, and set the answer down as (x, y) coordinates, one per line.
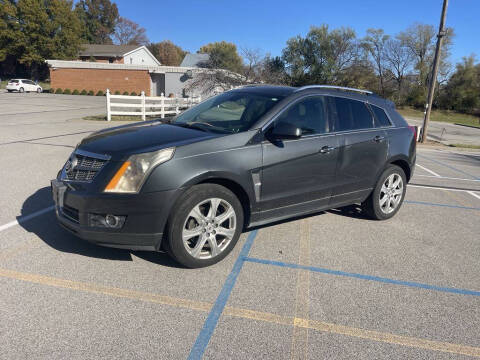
(147, 105)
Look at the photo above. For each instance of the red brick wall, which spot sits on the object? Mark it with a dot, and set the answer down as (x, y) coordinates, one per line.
(101, 79)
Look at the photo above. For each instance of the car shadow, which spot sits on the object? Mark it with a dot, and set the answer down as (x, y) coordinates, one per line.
(46, 227)
(351, 211)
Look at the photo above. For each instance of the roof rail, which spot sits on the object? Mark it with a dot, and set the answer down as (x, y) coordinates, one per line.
(335, 88)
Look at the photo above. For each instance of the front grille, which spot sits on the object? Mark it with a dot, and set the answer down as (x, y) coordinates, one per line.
(82, 168)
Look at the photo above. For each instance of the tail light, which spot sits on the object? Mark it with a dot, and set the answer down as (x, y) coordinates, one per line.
(414, 131)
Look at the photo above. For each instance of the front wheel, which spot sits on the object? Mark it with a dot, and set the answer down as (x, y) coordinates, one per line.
(204, 225)
(21, 90)
(39, 90)
(387, 197)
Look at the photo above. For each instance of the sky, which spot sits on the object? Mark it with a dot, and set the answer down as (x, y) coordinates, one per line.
(268, 24)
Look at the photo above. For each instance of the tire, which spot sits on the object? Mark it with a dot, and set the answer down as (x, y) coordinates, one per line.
(202, 230)
(21, 90)
(39, 90)
(385, 201)
(9, 91)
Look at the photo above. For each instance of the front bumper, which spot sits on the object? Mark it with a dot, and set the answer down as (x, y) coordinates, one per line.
(146, 216)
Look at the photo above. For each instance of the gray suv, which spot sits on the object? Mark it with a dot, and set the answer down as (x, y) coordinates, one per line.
(241, 159)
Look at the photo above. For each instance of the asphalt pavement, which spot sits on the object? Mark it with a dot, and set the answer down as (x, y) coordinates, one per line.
(334, 285)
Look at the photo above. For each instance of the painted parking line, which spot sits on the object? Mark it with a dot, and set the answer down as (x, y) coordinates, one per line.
(428, 170)
(25, 218)
(299, 346)
(210, 324)
(244, 313)
(434, 187)
(440, 205)
(364, 277)
(446, 178)
(448, 166)
(470, 192)
(474, 194)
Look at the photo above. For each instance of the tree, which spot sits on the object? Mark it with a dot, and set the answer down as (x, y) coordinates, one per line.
(98, 19)
(253, 64)
(462, 92)
(419, 39)
(273, 70)
(40, 29)
(321, 56)
(374, 44)
(128, 32)
(223, 55)
(398, 61)
(167, 53)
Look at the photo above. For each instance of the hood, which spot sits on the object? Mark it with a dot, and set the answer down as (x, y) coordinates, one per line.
(122, 141)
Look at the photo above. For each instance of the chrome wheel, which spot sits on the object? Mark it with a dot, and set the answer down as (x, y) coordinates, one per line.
(391, 193)
(209, 228)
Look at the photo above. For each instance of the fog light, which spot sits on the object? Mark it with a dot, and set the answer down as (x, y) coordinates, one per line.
(106, 221)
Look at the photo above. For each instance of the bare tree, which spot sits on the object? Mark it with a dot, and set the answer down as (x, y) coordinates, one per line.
(374, 44)
(209, 81)
(128, 32)
(399, 60)
(253, 64)
(419, 39)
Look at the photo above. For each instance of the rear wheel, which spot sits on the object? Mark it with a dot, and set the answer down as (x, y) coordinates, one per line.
(204, 225)
(387, 197)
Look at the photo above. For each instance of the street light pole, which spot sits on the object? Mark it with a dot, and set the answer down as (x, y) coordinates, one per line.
(436, 62)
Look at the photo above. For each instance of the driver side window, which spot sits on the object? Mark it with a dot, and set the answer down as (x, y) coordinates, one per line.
(308, 114)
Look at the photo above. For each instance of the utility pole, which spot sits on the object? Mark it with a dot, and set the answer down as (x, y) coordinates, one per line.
(436, 61)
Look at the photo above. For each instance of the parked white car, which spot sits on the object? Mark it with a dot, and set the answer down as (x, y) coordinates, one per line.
(23, 85)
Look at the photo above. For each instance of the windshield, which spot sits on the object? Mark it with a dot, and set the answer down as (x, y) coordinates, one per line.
(230, 112)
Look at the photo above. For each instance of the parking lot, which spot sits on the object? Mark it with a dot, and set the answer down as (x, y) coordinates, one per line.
(334, 285)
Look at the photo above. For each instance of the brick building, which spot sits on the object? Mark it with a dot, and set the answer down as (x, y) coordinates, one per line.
(125, 68)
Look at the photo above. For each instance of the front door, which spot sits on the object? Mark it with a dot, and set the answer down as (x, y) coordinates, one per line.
(298, 175)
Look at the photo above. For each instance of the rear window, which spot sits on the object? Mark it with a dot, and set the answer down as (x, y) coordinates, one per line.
(381, 119)
(352, 115)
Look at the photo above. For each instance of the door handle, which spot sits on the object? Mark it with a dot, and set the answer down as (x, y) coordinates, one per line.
(326, 149)
(379, 138)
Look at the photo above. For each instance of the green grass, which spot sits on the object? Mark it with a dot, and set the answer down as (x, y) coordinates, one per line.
(442, 116)
(465, 146)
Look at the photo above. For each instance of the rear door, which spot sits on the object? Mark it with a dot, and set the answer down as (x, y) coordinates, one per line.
(299, 174)
(362, 150)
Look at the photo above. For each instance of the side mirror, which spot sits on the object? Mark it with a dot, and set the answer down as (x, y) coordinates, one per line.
(285, 131)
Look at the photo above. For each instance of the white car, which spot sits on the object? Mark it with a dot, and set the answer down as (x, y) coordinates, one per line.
(23, 85)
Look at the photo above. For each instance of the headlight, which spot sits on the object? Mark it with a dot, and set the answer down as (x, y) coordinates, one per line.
(129, 178)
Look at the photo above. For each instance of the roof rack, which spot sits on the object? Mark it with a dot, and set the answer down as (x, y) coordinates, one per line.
(335, 88)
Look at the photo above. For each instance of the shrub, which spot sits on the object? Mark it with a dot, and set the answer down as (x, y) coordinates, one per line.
(125, 93)
(83, 92)
(117, 93)
(90, 93)
(67, 92)
(51, 91)
(75, 92)
(99, 93)
(58, 91)
(133, 93)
